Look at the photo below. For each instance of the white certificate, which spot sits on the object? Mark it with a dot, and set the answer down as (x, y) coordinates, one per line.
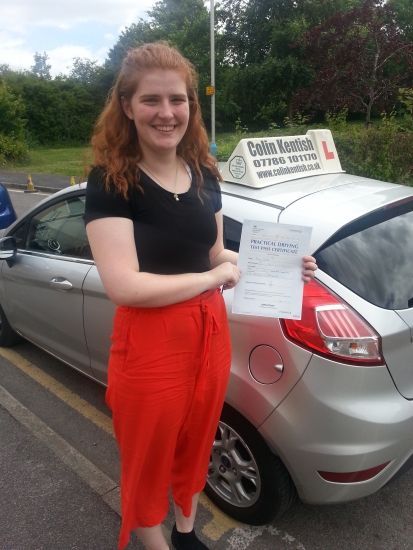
(271, 257)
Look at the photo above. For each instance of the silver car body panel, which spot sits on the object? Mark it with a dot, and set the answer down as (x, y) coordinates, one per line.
(407, 316)
(368, 402)
(97, 306)
(252, 399)
(32, 300)
(340, 418)
(285, 193)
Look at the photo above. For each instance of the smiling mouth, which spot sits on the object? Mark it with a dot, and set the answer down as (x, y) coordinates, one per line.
(165, 128)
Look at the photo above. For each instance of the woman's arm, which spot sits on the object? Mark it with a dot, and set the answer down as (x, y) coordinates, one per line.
(114, 252)
(218, 254)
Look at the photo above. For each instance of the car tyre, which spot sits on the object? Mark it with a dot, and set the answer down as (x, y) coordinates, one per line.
(246, 480)
(7, 335)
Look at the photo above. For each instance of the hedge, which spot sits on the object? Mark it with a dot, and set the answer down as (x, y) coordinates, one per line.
(12, 150)
(381, 153)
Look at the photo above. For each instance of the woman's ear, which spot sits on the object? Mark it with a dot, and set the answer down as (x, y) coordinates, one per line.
(126, 108)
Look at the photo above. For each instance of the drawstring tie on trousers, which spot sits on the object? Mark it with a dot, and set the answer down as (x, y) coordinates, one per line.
(211, 326)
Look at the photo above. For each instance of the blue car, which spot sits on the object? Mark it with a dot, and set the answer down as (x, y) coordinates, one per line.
(7, 213)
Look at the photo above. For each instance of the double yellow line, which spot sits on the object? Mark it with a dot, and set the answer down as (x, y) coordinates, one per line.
(58, 389)
(219, 524)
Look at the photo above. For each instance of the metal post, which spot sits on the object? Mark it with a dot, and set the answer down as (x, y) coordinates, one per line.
(213, 144)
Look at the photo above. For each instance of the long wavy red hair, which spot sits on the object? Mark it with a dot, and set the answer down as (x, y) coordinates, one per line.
(115, 143)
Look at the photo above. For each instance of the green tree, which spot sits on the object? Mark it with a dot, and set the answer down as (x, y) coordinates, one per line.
(360, 59)
(403, 10)
(41, 67)
(83, 70)
(185, 25)
(4, 69)
(137, 34)
(262, 42)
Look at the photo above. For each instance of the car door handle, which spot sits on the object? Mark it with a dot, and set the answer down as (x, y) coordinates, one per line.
(61, 284)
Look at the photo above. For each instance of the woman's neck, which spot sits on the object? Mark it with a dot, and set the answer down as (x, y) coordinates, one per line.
(168, 171)
(159, 161)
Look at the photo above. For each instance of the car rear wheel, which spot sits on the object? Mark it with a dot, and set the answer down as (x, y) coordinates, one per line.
(7, 335)
(245, 479)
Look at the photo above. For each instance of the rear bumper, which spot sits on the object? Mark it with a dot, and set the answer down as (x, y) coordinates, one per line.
(408, 465)
(340, 418)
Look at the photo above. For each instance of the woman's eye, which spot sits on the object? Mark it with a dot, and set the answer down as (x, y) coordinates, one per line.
(149, 100)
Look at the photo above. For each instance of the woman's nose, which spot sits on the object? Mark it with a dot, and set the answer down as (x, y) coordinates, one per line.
(165, 110)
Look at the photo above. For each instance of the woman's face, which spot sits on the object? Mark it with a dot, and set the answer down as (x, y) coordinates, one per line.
(160, 110)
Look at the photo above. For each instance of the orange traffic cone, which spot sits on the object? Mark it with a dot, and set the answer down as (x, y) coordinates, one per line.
(30, 186)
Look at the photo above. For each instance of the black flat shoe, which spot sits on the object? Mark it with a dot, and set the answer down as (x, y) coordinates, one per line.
(186, 541)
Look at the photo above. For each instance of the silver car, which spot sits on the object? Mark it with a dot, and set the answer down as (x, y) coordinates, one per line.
(322, 407)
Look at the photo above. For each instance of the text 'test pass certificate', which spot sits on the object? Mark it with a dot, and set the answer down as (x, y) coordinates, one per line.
(271, 257)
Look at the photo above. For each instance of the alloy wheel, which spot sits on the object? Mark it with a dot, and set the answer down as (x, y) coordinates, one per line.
(233, 472)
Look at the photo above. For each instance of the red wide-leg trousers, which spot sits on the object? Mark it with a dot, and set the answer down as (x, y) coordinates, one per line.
(168, 373)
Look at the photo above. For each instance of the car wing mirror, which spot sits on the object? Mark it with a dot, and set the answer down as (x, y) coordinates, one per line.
(8, 250)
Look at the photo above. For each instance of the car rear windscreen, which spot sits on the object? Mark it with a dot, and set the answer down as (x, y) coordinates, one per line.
(373, 256)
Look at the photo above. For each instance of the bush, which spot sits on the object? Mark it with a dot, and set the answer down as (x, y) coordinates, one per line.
(382, 152)
(406, 99)
(12, 150)
(12, 112)
(59, 111)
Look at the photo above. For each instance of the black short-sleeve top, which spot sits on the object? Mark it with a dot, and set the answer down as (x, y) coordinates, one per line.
(171, 237)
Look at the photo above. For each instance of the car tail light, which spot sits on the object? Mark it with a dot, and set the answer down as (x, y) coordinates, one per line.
(353, 477)
(401, 202)
(329, 326)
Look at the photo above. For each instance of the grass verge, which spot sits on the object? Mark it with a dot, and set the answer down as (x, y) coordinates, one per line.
(60, 161)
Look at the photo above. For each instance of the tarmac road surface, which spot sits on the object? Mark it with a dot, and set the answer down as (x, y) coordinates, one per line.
(43, 182)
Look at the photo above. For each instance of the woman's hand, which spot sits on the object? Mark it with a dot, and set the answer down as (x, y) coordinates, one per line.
(309, 267)
(226, 275)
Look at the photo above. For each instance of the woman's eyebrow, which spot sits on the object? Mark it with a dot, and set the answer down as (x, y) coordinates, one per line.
(148, 96)
(156, 96)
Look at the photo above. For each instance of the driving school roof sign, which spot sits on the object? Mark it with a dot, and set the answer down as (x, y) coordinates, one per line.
(259, 162)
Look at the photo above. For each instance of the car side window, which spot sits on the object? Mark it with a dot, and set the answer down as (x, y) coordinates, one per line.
(60, 230)
(18, 234)
(232, 234)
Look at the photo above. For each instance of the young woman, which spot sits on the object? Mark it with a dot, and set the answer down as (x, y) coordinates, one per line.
(154, 222)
